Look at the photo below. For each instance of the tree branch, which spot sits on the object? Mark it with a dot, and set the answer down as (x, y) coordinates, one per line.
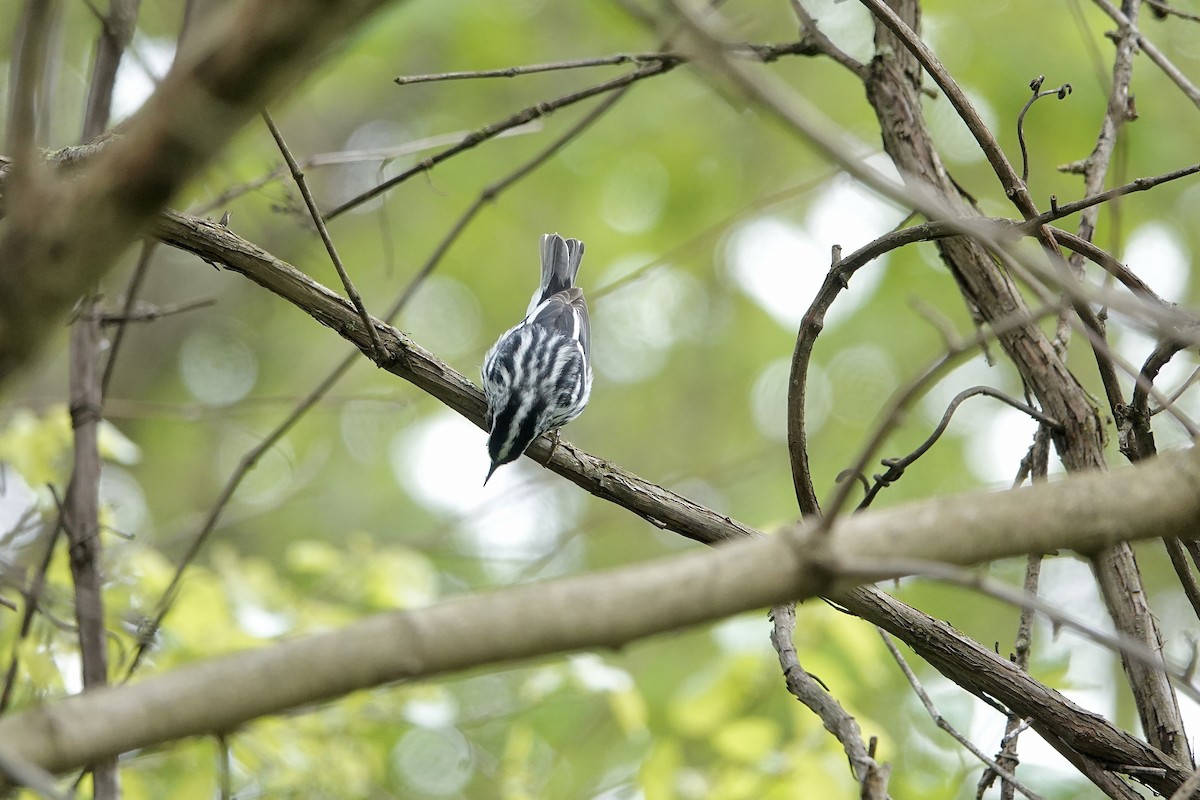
(82, 521)
(611, 608)
(81, 223)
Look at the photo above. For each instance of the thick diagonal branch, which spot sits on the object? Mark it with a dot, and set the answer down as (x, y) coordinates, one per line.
(614, 607)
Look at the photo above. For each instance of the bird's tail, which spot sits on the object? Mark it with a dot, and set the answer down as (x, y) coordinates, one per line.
(560, 263)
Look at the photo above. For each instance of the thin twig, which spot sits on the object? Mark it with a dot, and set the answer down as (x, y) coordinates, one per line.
(1163, 9)
(1117, 642)
(31, 776)
(1188, 383)
(1153, 53)
(1036, 86)
(116, 32)
(148, 313)
(381, 355)
(32, 597)
(904, 396)
(1035, 464)
(945, 725)
(83, 521)
(530, 69)
(1187, 578)
(131, 293)
(340, 157)
(520, 118)
(822, 44)
(765, 53)
(25, 77)
(897, 466)
(1138, 185)
(243, 468)
(225, 767)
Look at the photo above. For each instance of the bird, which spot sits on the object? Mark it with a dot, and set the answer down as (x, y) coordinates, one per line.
(537, 377)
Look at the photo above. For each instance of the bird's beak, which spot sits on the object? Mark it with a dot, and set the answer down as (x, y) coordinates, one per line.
(490, 471)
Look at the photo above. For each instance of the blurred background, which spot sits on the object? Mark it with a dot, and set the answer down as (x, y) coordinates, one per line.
(708, 230)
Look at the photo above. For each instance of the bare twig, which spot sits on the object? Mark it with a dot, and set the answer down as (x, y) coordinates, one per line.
(522, 117)
(1152, 52)
(556, 66)
(116, 32)
(149, 313)
(318, 220)
(25, 78)
(897, 466)
(380, 154)
(1138, 185)
(765, 53)
(23, 773)
(1163, 9)
(904, 396)
(1187, 578)
(131, 294)
(83, 521)
(945, 725)
(871, 775)
(1035, 464)
(1119, 643)
(32, 597)
(1035, 86)
(820, 43)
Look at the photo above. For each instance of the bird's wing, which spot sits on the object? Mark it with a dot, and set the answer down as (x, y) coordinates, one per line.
(566, 313)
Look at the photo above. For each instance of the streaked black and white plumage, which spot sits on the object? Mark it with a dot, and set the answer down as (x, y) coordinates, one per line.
(537, 377)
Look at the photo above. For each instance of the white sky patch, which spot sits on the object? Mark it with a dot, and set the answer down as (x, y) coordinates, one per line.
(434, 708)
(260, 622)
(975, 413)
(740, 634)
(847, 24)
(145, 65)
(599, 676)
(515, 519)
(1067, 584)
(1135, 346)
(995, 450)
(781, 264)
(1159, 256)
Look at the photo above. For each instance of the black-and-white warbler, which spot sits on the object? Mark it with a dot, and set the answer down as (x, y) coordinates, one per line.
(537, 377)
